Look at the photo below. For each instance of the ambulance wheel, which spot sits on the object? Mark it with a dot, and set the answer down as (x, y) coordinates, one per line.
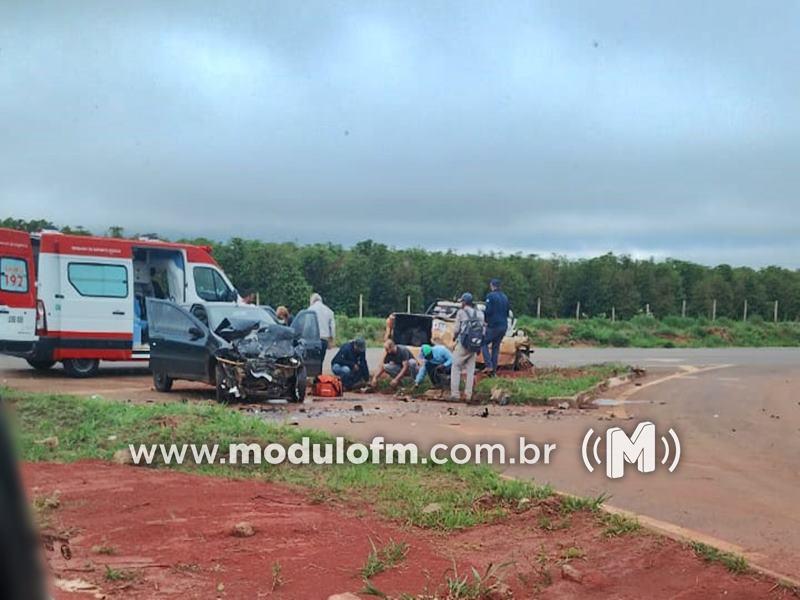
(161, 381)
(81, 367)
(300, 381)
(41, 365)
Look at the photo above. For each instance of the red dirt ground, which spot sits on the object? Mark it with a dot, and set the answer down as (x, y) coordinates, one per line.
(173, 531)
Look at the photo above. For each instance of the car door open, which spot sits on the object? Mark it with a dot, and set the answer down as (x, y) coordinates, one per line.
(306, 326)
(178, 341)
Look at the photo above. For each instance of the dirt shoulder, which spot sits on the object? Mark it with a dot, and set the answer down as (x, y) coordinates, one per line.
(144, 533)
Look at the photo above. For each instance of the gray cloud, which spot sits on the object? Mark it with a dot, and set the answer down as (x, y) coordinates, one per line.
(574, 128)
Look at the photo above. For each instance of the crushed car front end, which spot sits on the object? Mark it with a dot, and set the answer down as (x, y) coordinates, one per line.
(262, 363)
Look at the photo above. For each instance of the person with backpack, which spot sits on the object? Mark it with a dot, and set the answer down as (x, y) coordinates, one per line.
(469, 341)
(497, 310)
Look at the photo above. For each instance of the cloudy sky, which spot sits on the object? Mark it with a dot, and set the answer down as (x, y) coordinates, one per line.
(655, 129)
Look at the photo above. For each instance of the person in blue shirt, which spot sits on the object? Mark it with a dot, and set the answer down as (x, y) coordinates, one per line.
(350, 363)
(436, 362)
(496, 315)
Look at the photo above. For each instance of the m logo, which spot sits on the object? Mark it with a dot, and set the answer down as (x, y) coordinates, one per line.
(640, 448)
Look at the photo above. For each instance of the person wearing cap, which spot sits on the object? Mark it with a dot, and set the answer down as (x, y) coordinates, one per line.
(397, 363)
(496, 314)
(350, 363)
(464, 358)
(436, 361)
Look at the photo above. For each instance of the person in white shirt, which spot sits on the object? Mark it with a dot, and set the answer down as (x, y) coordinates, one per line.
(326, 320)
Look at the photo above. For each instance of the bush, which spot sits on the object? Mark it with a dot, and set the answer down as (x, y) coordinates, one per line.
(619, 340)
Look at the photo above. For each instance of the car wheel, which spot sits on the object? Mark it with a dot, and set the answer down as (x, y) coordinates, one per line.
(223, 396)
(41, 365)
(161, 381)
(300, 381)
(81, 367)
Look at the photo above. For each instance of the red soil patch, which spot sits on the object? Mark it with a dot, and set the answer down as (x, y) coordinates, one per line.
(173, 531)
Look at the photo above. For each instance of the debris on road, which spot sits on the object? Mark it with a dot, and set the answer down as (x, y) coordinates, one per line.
(123, 457)
(431, 508)
(243, 530)
(50, 442)
(570, 573)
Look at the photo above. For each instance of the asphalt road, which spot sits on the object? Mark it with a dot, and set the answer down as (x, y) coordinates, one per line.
(736, 412)
(563, 357)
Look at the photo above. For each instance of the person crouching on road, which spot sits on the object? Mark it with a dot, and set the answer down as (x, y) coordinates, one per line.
(496, 313)
(397, 363)
(350, 363)
(436, 362)
(469, 336)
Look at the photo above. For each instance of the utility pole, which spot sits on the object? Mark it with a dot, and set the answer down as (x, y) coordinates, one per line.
(647, 309)
(714, 309)
(775, 312)
(538, 308)
(408, 303)
(361, 307)
(613, 313)
(744, 316)
(578, 311)
(683, 309)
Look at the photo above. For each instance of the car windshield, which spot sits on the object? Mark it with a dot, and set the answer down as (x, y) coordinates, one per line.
(242, 312)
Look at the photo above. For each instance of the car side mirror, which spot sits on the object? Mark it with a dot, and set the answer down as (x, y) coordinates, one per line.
(195, 333)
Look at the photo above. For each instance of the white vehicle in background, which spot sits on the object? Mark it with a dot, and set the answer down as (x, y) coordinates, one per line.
(81, 299)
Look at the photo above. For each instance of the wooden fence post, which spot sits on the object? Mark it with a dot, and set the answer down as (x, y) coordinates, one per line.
(361, 307)
(714, 309)
(683, 309)
(775, 312)
(744, 316)
(613, 313)
(578, 311)
(538, 308)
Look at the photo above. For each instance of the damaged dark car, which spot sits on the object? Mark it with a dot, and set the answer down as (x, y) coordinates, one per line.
(240, 349)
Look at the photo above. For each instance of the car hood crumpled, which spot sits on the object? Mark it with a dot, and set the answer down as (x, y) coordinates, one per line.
(272, 341)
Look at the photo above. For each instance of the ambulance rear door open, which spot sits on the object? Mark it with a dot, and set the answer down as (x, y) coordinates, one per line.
(17, 293)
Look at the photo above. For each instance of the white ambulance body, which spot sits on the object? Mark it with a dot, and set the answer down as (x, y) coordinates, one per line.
(80, 299)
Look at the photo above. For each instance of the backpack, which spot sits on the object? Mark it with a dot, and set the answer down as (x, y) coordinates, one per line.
(328, 386)
(471, 335)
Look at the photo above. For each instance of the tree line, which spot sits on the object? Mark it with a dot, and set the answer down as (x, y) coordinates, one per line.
(287, 273)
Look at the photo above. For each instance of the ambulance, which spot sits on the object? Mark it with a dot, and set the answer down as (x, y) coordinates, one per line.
(79, 300)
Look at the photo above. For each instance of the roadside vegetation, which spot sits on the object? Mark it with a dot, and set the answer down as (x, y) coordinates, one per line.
(547, 383)
(69, 428)
(733, 562)
(382, 279)
(66, 428)
(669, 332)
(639, 332)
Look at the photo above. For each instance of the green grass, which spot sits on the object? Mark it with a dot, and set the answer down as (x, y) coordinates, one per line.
(733, 562)
(616, 525)
(638, 332)
(370, 328)
(572, 553)
(571, 504)
(669, 332)
(466, 495)
(548, 383)
(383, 558)
(112, 574)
